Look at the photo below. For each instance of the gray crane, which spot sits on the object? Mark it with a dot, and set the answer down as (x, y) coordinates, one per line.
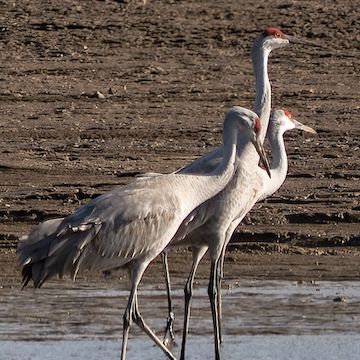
(280, 122)
(204, 238)
(201, 234)
(131, 225)
(270, 39)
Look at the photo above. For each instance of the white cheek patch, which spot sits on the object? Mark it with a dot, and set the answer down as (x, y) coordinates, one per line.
(287, 124)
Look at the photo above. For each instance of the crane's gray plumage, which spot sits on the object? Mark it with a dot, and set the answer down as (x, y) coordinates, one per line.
(112, 229)
(132, 224)
(108, 232)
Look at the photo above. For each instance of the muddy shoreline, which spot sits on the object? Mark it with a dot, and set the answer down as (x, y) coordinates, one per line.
(94, 93)
(247, 261)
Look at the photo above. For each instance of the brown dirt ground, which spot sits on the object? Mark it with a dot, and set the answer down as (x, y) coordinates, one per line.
(94, 92)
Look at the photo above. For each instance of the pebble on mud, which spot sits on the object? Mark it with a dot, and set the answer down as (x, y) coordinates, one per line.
(100, 95)
(339, 299)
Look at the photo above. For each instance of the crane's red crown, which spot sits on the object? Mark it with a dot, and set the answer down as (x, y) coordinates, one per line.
(272, 31)
(287, 113)
(257, 126)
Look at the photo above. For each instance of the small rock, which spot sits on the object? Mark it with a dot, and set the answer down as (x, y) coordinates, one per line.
(339, 299)
(100, 95)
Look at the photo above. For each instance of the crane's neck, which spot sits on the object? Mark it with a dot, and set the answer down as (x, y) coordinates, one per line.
(279, 163)
(203, 186)
(226, 167)
(262, 107)
(262, 104)
(246, 152)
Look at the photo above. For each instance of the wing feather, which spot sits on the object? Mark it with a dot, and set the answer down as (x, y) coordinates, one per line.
(108, 232)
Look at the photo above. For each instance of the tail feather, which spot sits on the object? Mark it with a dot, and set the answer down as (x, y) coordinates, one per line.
(54, 248)
(37, 239)
(26, 275)
(43, 230)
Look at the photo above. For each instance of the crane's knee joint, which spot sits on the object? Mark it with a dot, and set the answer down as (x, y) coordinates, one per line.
(137, 318)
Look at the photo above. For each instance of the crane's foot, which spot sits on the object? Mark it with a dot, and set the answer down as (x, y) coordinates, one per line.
(169, 337)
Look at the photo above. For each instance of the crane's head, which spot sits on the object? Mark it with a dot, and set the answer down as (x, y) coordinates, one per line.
(272, 38)
(281, 120)
(249, 126)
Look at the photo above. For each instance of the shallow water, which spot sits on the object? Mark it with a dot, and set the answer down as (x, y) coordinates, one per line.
(256, 347)
(261, 320)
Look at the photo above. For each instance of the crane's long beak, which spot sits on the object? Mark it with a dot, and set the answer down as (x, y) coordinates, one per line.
(263, 157)
(292, 39)
(300, 126)
(301, 41)
(297, 40)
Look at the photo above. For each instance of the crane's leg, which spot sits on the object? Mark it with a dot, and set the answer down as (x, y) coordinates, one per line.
(169, 337)
(127, 319)
(219, 278)
(138, 319)
(212, 292)
(220, 275)
(132, 312)
(198, 254)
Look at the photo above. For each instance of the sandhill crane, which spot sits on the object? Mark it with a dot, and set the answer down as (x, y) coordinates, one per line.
(212, 235)
(280, 122)
(129, 226)
(270, 39)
